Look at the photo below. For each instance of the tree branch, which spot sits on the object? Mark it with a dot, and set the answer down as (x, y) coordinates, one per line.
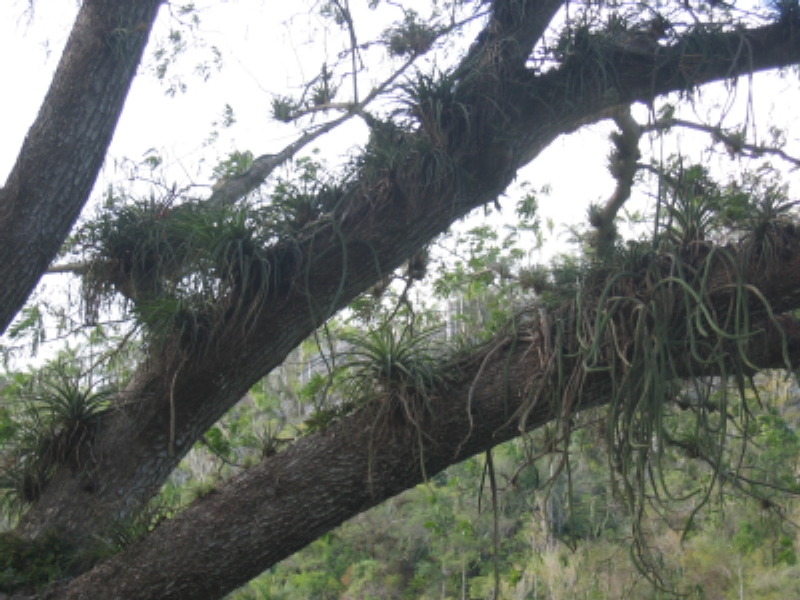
(623, 165)
(74, 268)
(66, 145)
(734, 143)
(386, 222)
(236, 188)
(335, 474)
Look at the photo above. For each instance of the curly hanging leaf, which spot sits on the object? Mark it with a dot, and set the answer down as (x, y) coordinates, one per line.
(649, 320)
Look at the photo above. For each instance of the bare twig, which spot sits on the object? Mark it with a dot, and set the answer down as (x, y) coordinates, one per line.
(351, 28)
(734, 143)
(310, 110)
(234, 189)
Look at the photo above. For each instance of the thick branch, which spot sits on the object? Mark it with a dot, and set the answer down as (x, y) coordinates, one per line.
(380, 226)
(574, 95)
(623, 166)
(275, 509)
(319, 275)
(65, 148)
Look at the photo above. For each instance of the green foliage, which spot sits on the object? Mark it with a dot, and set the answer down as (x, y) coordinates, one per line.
(393, 367)
(642, 316)
(217, 442)
(28, 328)
(411, 37)
(28, 565)
(52, 421)
(236, 162)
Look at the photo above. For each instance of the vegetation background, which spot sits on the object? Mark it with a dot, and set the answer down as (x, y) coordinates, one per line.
(246, 352)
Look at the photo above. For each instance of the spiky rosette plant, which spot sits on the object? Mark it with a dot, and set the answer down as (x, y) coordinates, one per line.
(395, 369)
(55, 422)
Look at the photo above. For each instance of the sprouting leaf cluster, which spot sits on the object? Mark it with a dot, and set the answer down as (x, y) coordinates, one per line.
(411, 37)
(51, 420)
(183, 264)
(390, 365)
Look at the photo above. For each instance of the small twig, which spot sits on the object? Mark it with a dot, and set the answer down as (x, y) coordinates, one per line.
(345, 10)
(309, 110)
(103, 358)
(236, 188)
(733, 143)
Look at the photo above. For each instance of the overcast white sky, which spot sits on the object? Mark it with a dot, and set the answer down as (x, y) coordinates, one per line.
(263, 55)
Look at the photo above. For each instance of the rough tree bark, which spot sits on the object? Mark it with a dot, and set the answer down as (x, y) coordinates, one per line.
(135, 449)
(65, 148)
(286, 502)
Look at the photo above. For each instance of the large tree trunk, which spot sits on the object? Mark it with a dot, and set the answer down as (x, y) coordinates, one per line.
(276, 508)
(135, 450)
(168, 405)
(65, 148)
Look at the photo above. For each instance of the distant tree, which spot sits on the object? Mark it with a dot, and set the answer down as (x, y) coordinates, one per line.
(224, 287)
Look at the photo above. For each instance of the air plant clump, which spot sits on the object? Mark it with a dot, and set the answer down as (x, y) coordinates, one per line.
(413, 156)
(189, 270)
(412, 37)
(56, 422)
(394, 374)
(768, 223)
(588, 42)
(396, 371)
(183, 265)
(140, 248)
(645, 317)
(691, 216)
(304, 199)
(420, 152)
(432, 101)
